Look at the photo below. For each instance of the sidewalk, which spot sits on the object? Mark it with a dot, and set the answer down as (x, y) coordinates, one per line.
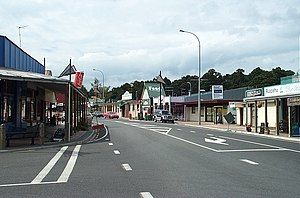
(25, 144)
(237, 129)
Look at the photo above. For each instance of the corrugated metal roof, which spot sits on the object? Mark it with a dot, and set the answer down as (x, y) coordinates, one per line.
(29, 76)
(232, 94)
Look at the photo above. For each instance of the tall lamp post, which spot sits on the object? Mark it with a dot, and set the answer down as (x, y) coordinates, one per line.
(102, 81)
(190, 90)
(199, 79)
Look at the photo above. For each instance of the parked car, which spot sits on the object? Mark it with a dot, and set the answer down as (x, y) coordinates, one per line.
(163, 116)
(111, 115)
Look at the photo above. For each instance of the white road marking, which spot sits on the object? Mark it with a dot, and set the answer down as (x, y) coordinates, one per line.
(28, 184)
(261, 144)
(110, 144)
(178, 129)
(251, 150)
(193, 143)
(249, 161)
(215, 140)
(106, 139)
(146, 195)
(126, 167)
(209, 134)
(169, 130)
(70, 165)
(49, 166)
(192, 131)
(117, 152)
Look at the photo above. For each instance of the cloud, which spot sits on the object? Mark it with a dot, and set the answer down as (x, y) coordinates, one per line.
(134, 39)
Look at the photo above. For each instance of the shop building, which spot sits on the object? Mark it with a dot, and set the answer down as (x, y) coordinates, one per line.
(276, 109)
(25, 91)
(214, 105)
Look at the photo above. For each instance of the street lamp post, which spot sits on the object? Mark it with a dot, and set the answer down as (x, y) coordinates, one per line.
(190, 88)
(102, 83)
(199, 79)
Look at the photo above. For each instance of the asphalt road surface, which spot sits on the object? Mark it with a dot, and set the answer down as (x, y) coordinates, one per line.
(148, 159)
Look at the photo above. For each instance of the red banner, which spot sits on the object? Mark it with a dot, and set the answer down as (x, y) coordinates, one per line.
(78, 79)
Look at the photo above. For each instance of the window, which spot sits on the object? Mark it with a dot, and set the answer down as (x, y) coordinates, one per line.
(193, 110)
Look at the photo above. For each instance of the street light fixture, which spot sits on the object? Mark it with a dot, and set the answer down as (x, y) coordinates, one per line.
(102, 83)
(199, 79)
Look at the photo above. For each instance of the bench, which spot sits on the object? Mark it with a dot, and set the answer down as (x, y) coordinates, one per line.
(29, 133)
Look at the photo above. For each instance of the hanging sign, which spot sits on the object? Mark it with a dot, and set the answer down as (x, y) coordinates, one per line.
(78, 79)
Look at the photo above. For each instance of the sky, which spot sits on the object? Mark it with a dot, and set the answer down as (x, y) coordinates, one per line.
(132, 40)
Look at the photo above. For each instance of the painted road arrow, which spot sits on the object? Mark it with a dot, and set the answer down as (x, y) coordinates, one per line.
(216, 140)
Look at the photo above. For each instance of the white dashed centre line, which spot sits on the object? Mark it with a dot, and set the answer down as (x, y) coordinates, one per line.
(192, 131)
(146, 195)
(110, 144)
(126, 167)
(117, 152)
(249, 161)
(178, 129)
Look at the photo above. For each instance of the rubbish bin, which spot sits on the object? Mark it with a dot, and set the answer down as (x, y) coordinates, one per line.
(262, 128)
(248, 128)
(140, 116)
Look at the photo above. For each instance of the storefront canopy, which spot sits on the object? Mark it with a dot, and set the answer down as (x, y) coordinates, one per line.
(7, 74)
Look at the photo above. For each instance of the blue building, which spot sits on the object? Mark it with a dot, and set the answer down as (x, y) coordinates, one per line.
(13, 57)
(26, 93)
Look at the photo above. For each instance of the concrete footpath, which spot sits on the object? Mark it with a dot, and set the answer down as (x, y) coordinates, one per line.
(80, 137)
(237, 129)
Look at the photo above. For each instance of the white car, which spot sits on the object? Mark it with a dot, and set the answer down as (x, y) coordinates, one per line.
(163, 116)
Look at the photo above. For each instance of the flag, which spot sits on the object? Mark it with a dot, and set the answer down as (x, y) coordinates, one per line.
(78, 79)
(160, 79)
(67, 71)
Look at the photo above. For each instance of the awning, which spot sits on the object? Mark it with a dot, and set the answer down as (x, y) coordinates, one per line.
(54, 84)
(8, 74)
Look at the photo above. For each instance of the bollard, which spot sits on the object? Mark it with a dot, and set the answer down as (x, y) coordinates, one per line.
(2, 136)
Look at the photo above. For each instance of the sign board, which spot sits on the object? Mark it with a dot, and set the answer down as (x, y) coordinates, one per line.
(146, 103)
(78, 79)
(127, 96)
(217, 92)
(254, 92)
(293, 101)
(229, 118)
(281, 90)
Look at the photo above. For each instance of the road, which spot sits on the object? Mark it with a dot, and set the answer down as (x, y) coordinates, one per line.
(147, 159)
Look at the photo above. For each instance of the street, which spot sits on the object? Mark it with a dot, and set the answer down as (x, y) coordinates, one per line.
(148, 159)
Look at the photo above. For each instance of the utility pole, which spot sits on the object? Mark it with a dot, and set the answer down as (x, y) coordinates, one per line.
(24, 26)
(160, 92)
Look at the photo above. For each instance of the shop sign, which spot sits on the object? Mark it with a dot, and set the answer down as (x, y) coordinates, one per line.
(254, 93)
(146, 103)
(78, 79)
(151, 88)
(217, 92)
(293, 101)
(281, 90)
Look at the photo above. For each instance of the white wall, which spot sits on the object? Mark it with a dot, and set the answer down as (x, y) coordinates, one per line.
(271, 112)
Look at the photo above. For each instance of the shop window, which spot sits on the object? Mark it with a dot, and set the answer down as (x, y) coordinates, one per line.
(193, 110)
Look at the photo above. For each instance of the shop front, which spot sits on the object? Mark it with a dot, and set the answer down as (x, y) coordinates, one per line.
(276, 112)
